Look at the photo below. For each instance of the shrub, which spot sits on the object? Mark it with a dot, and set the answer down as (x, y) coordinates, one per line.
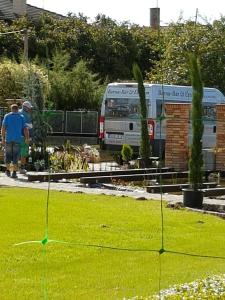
(69, 159)
(126, 152)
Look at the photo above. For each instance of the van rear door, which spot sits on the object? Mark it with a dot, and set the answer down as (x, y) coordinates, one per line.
(122, 121)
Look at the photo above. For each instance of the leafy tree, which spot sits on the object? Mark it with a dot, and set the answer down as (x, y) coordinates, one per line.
(13, 77)
(182, 37)
(70, 34)
(115, 49)
(73, 89)
(147, 44)
(9, 87)
(11, 45)
(86, 89)
(109, 47)
(60, 81)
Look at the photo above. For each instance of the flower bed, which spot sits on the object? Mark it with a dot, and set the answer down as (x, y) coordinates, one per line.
(209, 288)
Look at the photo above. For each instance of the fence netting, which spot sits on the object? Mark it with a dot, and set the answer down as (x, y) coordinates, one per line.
(157, 246)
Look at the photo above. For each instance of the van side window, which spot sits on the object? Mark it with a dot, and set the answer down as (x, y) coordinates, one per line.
(159, 105)
(209, 112)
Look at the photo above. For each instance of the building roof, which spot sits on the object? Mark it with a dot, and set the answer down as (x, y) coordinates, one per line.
(33, 13)
(6, 10)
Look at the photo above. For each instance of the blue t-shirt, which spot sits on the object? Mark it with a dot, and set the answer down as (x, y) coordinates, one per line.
(14, 124)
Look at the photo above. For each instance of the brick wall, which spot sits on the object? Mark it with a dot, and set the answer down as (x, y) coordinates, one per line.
(176, 148)
(220, 137)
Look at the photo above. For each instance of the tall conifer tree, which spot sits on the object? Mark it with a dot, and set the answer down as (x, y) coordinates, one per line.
(196, 159)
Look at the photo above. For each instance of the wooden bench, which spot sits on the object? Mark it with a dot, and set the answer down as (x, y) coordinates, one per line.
(213, 192)
(133, 177)
(44, 176)
(167, 188)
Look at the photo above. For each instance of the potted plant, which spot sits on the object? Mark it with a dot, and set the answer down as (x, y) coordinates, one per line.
(193, 196)
(145, 150)
(126, 154)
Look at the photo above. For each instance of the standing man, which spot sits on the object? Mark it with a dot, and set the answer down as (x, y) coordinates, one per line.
(24, 151)
(13, 126)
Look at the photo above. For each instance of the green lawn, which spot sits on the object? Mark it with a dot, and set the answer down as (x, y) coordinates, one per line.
(78, 272)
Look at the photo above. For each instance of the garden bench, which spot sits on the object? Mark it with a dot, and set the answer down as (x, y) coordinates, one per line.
(133, 177)
(167, 188)
(44, 176)
(213, 192)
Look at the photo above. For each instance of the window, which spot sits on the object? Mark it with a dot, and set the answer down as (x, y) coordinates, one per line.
(209, 112)
(122, 108)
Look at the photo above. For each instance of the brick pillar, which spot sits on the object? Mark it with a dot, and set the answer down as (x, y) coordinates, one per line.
(220, 137)
(176, 148)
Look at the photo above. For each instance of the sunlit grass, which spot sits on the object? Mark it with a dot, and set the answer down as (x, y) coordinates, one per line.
(76, 271)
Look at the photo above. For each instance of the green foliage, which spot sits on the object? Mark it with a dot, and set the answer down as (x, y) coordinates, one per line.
(109, 47)
(186, 36)
(196, 159)
(33, 89)
(86, 89)
(145, 151)
(7, 86)
(147, 44)
(68, 159)
(126, 152)
(101, 220)
(39, 158)
(15, 82)
(12, 75)
(64, 161)
(115, 48)
(11, 45)
(73, 89)
(60, 81)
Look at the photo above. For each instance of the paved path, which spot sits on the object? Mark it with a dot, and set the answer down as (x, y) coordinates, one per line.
(75, 186)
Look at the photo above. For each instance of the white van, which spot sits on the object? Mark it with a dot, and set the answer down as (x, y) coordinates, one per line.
(120, 118)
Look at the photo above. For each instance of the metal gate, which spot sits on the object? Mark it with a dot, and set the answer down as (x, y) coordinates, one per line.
(55, 120)
(67, 122)
(81, 122)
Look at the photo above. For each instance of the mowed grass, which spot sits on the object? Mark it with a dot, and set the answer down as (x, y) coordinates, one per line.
(76, 271)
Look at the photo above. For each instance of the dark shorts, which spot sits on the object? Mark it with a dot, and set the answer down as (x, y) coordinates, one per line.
(12, 153)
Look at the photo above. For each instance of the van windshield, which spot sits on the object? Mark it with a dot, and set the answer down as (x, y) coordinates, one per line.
(122, 108)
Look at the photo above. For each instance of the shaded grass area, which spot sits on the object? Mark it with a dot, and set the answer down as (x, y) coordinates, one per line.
(69, 271)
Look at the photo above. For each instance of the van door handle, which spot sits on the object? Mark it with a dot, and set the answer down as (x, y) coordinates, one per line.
(131, 126)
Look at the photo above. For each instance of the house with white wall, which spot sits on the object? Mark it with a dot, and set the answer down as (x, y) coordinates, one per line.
(13, 9)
